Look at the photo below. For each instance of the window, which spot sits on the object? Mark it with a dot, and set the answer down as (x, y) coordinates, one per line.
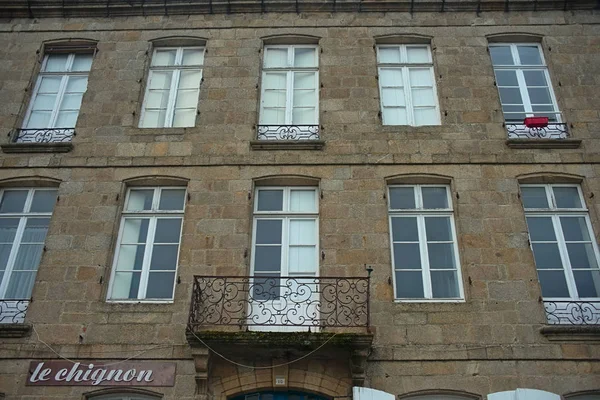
(290, 84)
(58, 91)
(407, 85)
(24, 219)
(173, 87)
(424, 250)
(562, 241)
(148, 245)
(523, 82)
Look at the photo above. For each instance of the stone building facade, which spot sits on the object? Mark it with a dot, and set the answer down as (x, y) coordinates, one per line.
(493, 330)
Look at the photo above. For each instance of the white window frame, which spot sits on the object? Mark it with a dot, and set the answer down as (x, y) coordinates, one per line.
(555, 213)
(404, 67)
(420, 213)
(61, 91)
(23, 217)
(153, 215)
(176, 69)
(519, 68)
(289, 103)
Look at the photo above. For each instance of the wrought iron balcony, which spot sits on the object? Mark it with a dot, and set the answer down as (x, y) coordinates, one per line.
(552, 131)
(288, 132)
(44, 135)
(13, 311)
(279, 303)
(572, 312)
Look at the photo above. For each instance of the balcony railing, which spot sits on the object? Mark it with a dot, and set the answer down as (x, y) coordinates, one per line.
(13, 311)
(276, 302)
(44, 135)
(288, 132)
(552, 131)
(572, 312)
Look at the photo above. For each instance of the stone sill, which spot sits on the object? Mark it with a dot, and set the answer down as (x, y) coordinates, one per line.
(287, 144)
(14, 330)
(37, 147)
(571, 333)
(543, 143)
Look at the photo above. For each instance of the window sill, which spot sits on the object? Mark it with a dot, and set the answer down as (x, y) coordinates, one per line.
(287, 144)
(543, 143)
(15, 330)
(59, 147)
(428, 301)
(571, 333)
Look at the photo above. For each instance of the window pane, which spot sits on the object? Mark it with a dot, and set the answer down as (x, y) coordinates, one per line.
(581, 255)
(153, 119)
(302, 260)
(160, 80)
(4, 254)
(13, 201)
(189, 79)
(535, 78)
(404, 229)
(420, 77)
(407, 256)
(390, 76)
(168, 230)
(184, 118)
(270, 200)
(275, 80)
(274, 98)
(157, 99)
(276, 57)
(303, 116)
(20, 285)
(441, 255)
(588, 283)
(135, 230)
(67, 119)
(534, 197)
(409, 285)
(140, 199)
(272, 116)
(28, 257)
(56, 63)
(126, 285)
(304, 80)
(39, 119)
(510, 96)
(71, 101)
(49, 84)
(438, 229)
(131, 257)
(435, 198)
(402, 198)
(302, 201)
(160, 285)
(546, 255)
(389, 55)
(164, 57)
(418, 54)
(164, 257)
(187, 98)
(444, 284)
(393, 97)
(541, 229)
(265, 289)
(193, 57)
(304, 98)
(426, 116)
(77, 84)
(44, 102)
(501, 55)
(423, 97)
(567, 197)
(268, 231)
(395, 116)
(171, 199)
(575, 229)
(82, 62)
(529, 55)
(305, 57)
(8, 229)
(267, 258)
(553, 284)
(35, 230)
(506, 78)
(539, 96)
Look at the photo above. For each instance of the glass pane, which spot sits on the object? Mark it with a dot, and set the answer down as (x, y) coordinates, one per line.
(506, 78)
(303, 116)
(35, 230)
(71, 102)
(404, 229)
(160, 285)
(302, 259)
(541, 229)
(274, 98)
(131, 257)
(187, 98)
(268, 231)
(304, 80)
(140, 199)
(402, 198)
(82, 62)
(441, 255)
(13, 201)
(501, 55)
(67, 119)
(302, 201)
(77, 84)
(164, 57)
(184, 118)
(8, 229)
(39, 119)
(444, 284)
(189, 79)
(539, 96)
(393, 97)
(265, 289)
(157, 98)
(510, 96)
(168, 230)
(44, 102)
(4, 254)
(302, 232)
(395, 116)
(305, 57)
(438, 229)
(304, 98)
(575, 229)
(534, 197)
(276, 57)
(389, 55)
(272, 116)
(193, 57)
(20, 285)
(171, 199)
(160, 80)
(529, 55)
(28, 257)
(135, 230)
(420, 77)
(426, 116)
(49, 84)
(535, 78)
(56, 63)
(275, 80)
(418, 54)
(566, 197)
(267, 258)
(582, 255)
(588, 283)
(553, 284)
(164, 257)
(435, 198)
(407, 256)
(390, 77)
(546, 256)
(270, 200)
(423, 97)
(409, 285)
(126, 285)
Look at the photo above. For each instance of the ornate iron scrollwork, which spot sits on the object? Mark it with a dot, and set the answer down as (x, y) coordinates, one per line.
(13, 311)
(288, 132)
(572, 312)
(552, 131)
(49, 135)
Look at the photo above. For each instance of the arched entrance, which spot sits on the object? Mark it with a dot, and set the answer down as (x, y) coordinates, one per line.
(279, 395)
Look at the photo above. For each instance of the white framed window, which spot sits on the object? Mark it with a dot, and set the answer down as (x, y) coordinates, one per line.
(562, 240)
(173, 87)
(58, 91)
(147, 254)
(424, 248)
(523, 82)
(24, 219)
(407, 85)
(290, 82)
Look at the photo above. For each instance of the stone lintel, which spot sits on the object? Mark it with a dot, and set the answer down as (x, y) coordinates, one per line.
(37, 147)
(571, 333)
(14, 330)
(287, 144)
(543, 143)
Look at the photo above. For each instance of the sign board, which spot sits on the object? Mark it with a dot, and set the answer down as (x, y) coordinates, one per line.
(90, 373)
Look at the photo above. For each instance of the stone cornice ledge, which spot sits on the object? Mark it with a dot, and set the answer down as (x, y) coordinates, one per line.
(37, 147)
(543, 143)
(14, 330)
(287, 144)
(571, 333)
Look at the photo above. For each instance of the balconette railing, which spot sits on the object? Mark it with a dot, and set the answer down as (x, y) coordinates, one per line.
(288, 132)
(572, 312)
(13, 311)
(277, 302)
(44, 135)
(552, 131)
